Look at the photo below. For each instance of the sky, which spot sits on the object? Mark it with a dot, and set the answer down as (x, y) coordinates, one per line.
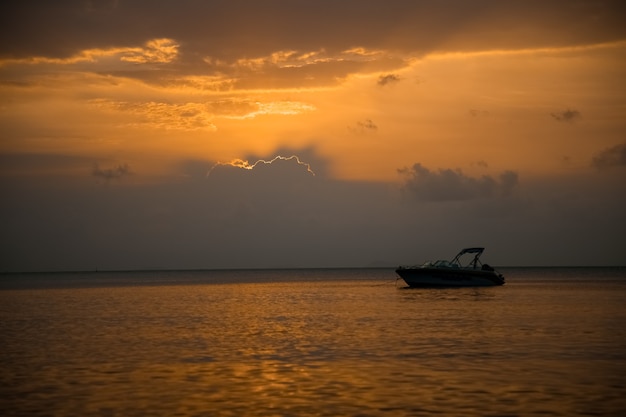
(291, 134)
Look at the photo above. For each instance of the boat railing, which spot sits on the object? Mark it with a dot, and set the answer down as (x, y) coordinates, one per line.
(474, 262)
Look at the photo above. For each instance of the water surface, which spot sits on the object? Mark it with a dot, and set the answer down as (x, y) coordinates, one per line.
(312, 343)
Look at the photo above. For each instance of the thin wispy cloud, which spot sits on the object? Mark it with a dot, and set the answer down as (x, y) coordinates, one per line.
(476, 113)
(568, 115)
(363, 127)
(113, 173)
(155, 51)
(388, 79)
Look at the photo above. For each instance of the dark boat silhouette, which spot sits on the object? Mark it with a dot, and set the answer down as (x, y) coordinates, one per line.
(452, 273)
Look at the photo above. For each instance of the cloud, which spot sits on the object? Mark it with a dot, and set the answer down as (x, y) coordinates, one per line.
(454, 185)
(198, 116)
(298, 68)
(362, 127)
(388, 79)
(295, 59)
(154, 51)
(567, 115)
(614, 156)
(109, 174)
(203, 26)
(162, 116)
(280, 215)
(260, 163)
(290, 49)
(478, 113)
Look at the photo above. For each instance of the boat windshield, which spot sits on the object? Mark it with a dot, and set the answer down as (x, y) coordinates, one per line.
(441, 264)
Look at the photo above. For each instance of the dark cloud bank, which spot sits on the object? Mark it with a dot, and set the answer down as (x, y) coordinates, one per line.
(280, 215)
(250, 28)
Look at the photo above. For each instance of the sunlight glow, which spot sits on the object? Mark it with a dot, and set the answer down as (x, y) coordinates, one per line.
(526, 51)
(279, 107)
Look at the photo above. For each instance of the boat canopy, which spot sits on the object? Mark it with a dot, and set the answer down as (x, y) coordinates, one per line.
(475, 262)
(471, 250)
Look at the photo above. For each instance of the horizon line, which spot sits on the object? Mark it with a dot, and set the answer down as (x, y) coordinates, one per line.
(277, 268)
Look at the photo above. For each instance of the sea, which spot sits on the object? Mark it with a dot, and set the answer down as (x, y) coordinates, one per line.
(311, 342)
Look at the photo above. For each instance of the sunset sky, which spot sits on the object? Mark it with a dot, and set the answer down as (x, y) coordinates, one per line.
(242, 134)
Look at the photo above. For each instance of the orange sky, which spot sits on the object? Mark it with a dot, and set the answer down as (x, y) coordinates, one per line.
(400, 93)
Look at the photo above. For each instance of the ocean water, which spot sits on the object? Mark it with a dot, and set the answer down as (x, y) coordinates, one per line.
(551, 342)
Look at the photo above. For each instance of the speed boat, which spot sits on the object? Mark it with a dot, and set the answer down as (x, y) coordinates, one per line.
(452, 273)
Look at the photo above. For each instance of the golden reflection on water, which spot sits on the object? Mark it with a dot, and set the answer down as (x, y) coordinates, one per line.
(322, 348)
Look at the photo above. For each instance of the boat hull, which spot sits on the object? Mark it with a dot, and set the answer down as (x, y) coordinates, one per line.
(421, 277)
